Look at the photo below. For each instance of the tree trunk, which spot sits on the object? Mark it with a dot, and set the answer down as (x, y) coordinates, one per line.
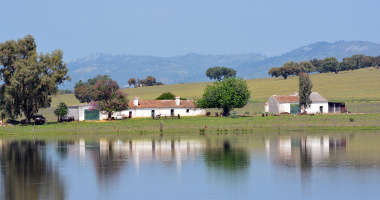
(226, 112)
(27, 120)
(109, 115)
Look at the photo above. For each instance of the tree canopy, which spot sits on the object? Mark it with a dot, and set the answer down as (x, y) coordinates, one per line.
(167, 96)
(305, 85)
(219, 73)
(83, 91)
(329, 64)
(29, 79)
(227, 94)
(108, 97)
(61, 110)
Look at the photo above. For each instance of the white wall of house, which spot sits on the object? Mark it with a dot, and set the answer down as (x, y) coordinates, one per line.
(147, 112)
(284, 107)
(314, 107)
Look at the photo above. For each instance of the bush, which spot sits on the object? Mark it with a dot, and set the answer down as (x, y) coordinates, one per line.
(352, 119)
(234, 116)
(246, 112)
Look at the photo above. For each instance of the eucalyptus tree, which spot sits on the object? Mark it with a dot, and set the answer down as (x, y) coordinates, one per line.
(29, 79)
(304, 92)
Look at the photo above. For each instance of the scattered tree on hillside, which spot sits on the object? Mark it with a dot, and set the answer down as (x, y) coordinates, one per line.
(29, 78)
(330, 65)
(307, 67)
(317, 64)
(167, 96)
(132, 81)
(61, 111)
(219, 73)
(65, 91)
(149, 81)
(304, 92)
(274, 71)
(227, 94)
(108, 97)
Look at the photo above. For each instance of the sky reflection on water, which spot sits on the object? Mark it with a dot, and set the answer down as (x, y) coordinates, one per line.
(244, 166)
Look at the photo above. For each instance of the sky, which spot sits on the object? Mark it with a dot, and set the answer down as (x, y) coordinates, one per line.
(175, 27)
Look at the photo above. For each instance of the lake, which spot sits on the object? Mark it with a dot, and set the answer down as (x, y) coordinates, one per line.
(331, 165)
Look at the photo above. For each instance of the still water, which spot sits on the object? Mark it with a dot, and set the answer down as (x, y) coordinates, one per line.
(239, 166)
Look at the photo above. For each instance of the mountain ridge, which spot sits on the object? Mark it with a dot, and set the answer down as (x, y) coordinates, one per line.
(191, 67)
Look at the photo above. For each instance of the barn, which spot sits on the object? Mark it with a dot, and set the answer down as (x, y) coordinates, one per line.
(289, 104)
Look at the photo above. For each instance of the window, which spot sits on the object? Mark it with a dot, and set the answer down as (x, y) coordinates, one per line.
(187, 110)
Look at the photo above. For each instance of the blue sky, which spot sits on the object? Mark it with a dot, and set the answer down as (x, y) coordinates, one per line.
(169, 28)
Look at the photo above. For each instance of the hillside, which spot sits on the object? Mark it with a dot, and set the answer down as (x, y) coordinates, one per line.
(358, 84)
(191, 68)
(185, 68)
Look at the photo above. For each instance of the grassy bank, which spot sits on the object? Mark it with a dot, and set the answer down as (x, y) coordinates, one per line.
(208, 124)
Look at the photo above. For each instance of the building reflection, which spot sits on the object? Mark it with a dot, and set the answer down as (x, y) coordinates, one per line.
(305, 152)
(27, 173)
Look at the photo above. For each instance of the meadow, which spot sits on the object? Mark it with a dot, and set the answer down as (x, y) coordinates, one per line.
(361, 84)
(203, 124)
(359, 88)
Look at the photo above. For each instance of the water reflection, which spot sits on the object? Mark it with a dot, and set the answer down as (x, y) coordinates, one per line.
(225, 157)
(305, 151)
(231, 166)
(27, 173)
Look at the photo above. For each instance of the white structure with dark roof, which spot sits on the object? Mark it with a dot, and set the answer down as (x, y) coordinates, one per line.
(289, 104)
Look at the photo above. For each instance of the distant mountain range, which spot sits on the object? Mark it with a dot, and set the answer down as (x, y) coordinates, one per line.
(192, 67)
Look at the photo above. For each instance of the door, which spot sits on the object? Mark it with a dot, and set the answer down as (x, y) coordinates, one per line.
(321, 109)
(130, 114)
(91, 115)
(294, 109)
(153, 113)
(172, 112)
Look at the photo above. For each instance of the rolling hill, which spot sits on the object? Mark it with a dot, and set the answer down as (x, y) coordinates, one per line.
(191, 68)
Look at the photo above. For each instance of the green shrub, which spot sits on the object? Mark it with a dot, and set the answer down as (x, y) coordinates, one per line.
(233, 116)
(246, 112)
(352, 119)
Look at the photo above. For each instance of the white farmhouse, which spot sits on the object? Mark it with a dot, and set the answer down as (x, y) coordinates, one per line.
(141, 108)
(289, 104)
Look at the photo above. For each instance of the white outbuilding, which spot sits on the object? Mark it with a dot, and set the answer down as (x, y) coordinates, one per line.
(289, 104)
(141, 108)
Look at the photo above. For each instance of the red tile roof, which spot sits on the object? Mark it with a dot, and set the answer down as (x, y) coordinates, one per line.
(286, 98)
(162, 104)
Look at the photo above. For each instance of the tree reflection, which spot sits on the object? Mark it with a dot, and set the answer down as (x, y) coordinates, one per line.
(109, 160)
(227, 158)
(27, 173)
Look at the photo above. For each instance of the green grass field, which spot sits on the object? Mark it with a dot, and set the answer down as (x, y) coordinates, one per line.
(347, 85)
(214, 124)
(359, 85)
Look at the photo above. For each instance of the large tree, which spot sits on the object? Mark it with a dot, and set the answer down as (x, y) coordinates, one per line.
(330, 65)
(29, 79)
(132, 81)
(219, 73)
(108, 97)
(227, 94)
(83, 91)
(304, 92)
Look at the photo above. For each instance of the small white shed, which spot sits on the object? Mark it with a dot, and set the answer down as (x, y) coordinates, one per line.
(289, 104)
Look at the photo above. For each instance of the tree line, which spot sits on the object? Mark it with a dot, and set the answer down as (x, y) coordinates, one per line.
(329, 64)
(148, 81)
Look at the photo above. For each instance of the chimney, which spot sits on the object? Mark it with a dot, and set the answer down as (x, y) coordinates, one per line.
(136, 100)
(177, 100)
